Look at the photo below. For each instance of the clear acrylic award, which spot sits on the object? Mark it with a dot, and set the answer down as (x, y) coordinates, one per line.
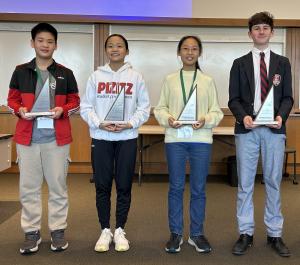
(265, 114)
(116, 112)
(189, 113)
(41, 105)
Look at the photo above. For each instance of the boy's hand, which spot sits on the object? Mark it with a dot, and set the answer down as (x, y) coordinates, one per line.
(276, 126)
(248, 122)
(22, 111)
(57, 112)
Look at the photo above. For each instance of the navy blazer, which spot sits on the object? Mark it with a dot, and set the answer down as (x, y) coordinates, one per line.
(242, 89)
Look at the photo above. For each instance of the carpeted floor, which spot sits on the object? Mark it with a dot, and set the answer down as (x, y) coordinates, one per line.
(147, 227)
(7, 209)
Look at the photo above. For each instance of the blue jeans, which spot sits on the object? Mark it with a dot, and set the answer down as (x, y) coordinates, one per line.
(198, 155)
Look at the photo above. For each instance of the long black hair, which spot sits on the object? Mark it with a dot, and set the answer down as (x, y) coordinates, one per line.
(197, 39)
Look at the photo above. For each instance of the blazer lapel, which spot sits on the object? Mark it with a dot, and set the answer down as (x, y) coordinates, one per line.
(248, 64)
(272, 68)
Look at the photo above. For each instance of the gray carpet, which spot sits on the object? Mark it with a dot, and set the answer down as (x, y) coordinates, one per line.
(147, 227)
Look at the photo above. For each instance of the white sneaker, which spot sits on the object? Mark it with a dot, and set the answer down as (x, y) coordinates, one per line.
(121, 243)
(104, 240)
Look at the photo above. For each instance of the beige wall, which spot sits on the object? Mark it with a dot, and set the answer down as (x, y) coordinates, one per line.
(289, 9)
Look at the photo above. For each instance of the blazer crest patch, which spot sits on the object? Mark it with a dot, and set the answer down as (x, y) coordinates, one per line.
(276, 79)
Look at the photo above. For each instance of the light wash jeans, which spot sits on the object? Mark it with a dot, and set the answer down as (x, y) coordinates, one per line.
(198, 155)
(248, 147)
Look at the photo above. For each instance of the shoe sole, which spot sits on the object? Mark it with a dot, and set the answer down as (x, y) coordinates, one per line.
(175, 250)
(192, 243)
(242, 253)
(32, 250)
(55, 249)
(284, 255)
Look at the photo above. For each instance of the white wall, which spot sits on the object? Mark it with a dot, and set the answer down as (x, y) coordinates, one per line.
(75, 51)
(152, 51)
(288, 9)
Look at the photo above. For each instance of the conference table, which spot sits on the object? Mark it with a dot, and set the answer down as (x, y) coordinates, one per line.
(5, 150)
(159, 130)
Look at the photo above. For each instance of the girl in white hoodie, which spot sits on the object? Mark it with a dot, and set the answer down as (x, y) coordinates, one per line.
(114, 144)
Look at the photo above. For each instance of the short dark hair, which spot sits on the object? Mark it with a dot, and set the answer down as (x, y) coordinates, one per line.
(117, 35)
(197, 39)
(261, 18)
(43, 27)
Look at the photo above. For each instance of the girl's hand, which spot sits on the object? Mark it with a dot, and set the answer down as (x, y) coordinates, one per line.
(121, 127)
(199, 124)
(174, 124)
(110, 127)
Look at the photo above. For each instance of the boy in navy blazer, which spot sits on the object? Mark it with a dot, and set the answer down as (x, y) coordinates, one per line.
(251, 76)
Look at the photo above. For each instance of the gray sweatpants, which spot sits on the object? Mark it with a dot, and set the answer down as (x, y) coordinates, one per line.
(36, 162)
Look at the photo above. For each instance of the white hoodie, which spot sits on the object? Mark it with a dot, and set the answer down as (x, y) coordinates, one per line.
(102, 89)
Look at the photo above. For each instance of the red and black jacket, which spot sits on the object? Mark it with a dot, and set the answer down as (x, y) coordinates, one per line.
(22, 94)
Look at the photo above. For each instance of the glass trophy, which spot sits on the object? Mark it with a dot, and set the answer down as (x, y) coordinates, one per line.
(189, 113)
(116, 113)
(265, 114)
(41, 105)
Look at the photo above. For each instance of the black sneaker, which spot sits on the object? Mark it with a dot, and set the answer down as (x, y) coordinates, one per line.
(242, 244)
(31, 242)
(174, 243)
(200, 243)
(278, 245)
(58, 241)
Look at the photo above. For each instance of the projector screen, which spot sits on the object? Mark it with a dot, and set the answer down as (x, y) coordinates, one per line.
(153, 8)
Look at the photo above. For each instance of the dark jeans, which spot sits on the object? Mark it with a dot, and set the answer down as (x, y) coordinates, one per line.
(113, 159)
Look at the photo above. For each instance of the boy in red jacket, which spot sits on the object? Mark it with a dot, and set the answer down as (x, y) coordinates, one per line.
(43, 143)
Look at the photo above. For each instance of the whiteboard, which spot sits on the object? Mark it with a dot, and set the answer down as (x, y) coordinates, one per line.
(153, 52)
(75, 51)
